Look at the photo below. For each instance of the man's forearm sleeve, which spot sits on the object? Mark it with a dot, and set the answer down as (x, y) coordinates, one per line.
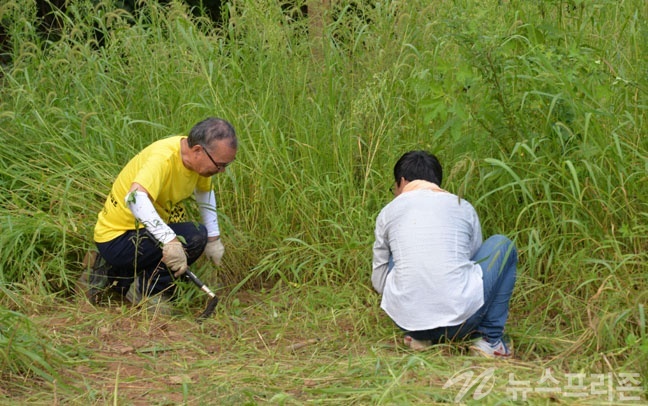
(142, 208)
(207, 206)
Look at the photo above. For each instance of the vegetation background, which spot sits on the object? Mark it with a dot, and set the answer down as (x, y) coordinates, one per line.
(537, 110)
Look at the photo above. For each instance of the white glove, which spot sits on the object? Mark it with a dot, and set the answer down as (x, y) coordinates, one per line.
(174, 257)
(214, 250)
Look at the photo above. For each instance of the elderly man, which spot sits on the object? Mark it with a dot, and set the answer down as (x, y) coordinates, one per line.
(141, 239)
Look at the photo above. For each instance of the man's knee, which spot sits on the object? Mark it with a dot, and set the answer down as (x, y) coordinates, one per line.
(497, 251)
(194, 234)
(505, 248)
(197, 240)
(498, 240)
(503, 244)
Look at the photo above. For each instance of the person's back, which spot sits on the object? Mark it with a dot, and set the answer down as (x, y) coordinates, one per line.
(432, 236)
(437, 278)
(437, 229)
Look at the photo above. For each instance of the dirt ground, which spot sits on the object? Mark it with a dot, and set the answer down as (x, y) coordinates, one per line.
(141, 358)
(132, 354)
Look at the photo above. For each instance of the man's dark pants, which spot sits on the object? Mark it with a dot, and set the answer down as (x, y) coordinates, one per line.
(137, 253)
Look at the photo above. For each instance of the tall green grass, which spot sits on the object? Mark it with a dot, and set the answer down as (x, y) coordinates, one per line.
(536, 109)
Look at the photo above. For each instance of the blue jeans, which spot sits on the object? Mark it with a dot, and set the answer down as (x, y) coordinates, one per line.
(498, 259)
(137, 253)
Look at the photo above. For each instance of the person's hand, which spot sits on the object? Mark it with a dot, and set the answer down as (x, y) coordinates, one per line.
(174, 257)
(214, 250)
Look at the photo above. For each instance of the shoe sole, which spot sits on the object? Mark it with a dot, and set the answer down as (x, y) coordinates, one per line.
(478, 352)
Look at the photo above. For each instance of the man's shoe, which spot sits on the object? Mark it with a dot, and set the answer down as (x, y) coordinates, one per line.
(134, 294)
(159, 303)
(94, 278)
(416, 345)
(498, 349)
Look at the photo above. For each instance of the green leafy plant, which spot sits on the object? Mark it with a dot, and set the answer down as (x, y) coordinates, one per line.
(536, 109)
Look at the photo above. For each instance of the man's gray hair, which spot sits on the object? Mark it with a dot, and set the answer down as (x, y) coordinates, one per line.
(212, 129)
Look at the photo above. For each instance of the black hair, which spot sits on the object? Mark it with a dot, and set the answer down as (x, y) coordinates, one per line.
(418, 165)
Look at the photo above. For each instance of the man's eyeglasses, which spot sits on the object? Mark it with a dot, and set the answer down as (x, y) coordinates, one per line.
(220, 166)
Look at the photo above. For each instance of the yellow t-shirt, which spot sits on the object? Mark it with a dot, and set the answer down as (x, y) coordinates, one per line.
(159, 169)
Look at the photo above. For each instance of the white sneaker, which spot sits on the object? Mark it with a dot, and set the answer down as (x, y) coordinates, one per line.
(417, 345)
(498, 349)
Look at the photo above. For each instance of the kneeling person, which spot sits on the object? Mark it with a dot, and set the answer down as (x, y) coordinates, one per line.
(141, 246)
(437, 279)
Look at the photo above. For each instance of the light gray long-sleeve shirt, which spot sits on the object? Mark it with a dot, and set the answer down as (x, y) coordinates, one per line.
(432, 237)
